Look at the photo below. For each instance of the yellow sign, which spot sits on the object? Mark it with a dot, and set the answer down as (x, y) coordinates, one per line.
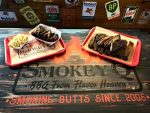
(30, 16)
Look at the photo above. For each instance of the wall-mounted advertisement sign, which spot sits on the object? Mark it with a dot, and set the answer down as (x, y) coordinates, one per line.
(130, 14)
(19, 1)
(29, 15)
(52, 13)
(144, 17)
(88, 11)
(71, 3)
(8, 16)
(112, 9)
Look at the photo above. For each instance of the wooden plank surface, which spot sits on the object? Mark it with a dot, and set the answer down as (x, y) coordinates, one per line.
(100, 17)
(138, 101)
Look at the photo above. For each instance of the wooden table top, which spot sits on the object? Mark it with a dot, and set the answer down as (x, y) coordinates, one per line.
(21, 92)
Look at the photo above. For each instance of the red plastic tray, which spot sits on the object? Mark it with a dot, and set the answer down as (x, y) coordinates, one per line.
(9, 58)
(136, 54)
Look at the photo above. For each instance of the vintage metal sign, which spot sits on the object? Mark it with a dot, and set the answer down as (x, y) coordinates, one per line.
(71, 3)
(8, 16)
(52, 13)
(144, 17)
(130, 14)
(29, 15)
(112, 9)
(88, 11)
(19, 1)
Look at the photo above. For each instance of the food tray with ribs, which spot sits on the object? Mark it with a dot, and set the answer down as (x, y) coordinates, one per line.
(39, 43)
(113, 45)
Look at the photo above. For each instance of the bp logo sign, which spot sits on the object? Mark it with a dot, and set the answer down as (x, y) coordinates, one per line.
(112, 9)
(112, 6)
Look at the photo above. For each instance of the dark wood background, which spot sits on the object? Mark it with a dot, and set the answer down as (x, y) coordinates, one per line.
(99, 20)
